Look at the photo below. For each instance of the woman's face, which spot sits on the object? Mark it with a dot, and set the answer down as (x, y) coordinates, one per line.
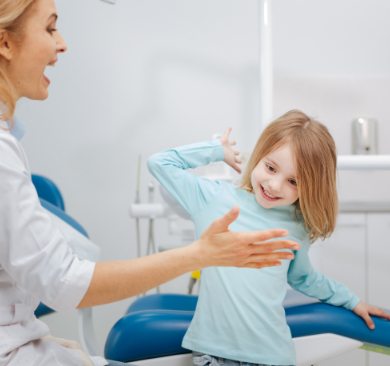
(36, 48)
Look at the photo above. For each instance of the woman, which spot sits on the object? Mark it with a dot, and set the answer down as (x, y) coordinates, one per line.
(36, 263)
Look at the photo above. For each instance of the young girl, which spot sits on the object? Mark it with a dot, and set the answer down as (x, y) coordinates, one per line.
(290, 182)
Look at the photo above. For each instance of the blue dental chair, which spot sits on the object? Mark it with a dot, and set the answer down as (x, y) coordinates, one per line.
(152, 330)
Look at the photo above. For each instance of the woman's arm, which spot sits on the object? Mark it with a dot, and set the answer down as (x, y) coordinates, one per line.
(117, 280)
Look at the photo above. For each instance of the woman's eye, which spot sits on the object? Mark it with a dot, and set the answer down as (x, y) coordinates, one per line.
(51, 30)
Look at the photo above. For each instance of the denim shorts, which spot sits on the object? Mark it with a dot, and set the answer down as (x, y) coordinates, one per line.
(200, 359)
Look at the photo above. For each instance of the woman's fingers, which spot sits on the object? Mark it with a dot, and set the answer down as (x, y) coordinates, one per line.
(221, 225)
(273, 256)
(270, 246)
(258, 237)
(262, 264)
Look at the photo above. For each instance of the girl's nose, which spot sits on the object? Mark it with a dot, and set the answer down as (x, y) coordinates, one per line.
(276, 185)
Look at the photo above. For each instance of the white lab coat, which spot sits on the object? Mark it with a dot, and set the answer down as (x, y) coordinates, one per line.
(36, 265)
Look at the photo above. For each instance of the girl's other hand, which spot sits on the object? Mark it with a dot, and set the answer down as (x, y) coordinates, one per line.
(365, 310)
(231, 155)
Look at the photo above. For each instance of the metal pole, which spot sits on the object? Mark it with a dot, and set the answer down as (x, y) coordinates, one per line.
(266, 67)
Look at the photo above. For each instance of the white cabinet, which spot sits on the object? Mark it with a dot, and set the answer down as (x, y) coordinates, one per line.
(358, 255)
(378, 260)
(342, 256)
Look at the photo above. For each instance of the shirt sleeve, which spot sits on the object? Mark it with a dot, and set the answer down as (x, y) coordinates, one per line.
(33, 250)
(303, 278)
(169, 167)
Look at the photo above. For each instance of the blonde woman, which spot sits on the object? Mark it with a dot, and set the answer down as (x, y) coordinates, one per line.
(36, 264)
(289, 182)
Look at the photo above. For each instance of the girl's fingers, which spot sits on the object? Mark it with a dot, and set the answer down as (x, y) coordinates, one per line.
(366, 317)
(227, 134)
(237, 168)
(379, 312)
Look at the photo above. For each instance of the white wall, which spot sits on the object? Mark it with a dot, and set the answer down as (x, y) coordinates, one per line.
(141, 76)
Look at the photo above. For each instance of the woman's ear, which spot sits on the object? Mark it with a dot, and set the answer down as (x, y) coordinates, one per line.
(5, 45)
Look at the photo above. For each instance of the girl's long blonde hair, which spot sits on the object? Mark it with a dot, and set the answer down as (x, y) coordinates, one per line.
(11, 12)
(315, 158)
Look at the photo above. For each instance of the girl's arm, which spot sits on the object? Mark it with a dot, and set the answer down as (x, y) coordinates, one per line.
(170, 168)
(303, 278)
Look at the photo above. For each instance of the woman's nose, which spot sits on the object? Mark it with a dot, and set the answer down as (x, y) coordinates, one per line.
(61, 45)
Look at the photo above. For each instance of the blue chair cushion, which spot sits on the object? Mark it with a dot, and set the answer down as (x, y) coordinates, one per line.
(48, 190)
(147, 331)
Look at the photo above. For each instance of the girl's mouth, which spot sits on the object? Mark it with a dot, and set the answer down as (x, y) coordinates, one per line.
(268, 196)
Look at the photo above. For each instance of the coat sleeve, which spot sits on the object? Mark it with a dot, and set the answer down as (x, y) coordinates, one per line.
(170, 168)
(303, 278)
(33, 251)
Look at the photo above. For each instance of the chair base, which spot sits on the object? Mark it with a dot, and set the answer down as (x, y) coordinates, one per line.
(310, 350)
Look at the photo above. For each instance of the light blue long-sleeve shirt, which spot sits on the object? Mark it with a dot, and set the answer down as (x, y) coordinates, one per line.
(239, 314)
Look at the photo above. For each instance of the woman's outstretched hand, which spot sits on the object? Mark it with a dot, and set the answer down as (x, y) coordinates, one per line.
(218, 246)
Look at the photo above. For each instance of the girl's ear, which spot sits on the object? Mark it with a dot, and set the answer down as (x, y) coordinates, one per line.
(5, 45)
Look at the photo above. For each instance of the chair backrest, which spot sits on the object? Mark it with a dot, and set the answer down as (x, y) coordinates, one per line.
(52, 200)
(48, 190)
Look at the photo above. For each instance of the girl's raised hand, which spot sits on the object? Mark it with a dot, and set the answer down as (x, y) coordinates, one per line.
(365, 310)
(231, 155)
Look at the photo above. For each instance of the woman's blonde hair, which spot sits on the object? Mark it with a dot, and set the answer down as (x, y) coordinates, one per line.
(11, 14)
(315, 158)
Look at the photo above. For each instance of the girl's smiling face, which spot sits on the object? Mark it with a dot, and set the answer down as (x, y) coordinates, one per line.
(274, 179)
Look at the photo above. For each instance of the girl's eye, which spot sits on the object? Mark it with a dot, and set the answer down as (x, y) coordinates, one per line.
(293, 182)
(270, 168)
